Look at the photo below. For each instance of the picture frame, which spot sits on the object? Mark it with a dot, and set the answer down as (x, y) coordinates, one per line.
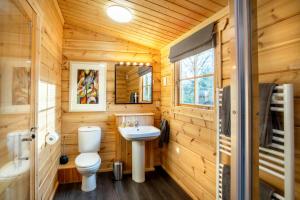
(87, 87)
(15, 88)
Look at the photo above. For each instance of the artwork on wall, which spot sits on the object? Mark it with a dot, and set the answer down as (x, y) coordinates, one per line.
(87, 86)
(21, 86)
(15, 83)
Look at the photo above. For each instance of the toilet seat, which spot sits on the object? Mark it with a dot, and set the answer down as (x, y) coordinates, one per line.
(87, 160)
(12, 170)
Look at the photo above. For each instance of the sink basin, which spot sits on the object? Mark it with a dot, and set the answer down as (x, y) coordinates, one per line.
(138, 136)
(139, 133)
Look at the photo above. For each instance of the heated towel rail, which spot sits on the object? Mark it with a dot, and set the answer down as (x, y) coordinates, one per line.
(276, 160)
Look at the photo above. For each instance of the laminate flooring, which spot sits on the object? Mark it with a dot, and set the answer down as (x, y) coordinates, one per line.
(158, 185)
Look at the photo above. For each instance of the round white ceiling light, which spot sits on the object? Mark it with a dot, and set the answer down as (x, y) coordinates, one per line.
(119, 14)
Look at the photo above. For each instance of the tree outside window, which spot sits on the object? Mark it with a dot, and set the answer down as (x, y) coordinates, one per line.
(147, 87)
(196, 79)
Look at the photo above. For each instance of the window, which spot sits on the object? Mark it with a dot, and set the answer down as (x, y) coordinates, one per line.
(196, 79)
(46, 111)
(147, 87)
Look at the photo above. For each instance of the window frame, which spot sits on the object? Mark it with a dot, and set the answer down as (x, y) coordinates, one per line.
(177, 80)
(46, 110)
(143, 86)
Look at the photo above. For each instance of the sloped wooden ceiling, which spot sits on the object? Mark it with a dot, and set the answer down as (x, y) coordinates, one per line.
(155, 22)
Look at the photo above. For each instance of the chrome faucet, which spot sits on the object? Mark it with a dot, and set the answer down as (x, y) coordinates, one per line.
(136, 124)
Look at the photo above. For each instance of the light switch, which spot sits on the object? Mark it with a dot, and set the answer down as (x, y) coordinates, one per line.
(165, 81)
(157, 104)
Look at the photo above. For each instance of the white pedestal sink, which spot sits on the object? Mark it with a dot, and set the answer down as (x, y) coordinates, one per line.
(138, 136)
(138, 161)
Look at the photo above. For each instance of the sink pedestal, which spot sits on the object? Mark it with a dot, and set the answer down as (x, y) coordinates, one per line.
(138, 136)
(138, 161)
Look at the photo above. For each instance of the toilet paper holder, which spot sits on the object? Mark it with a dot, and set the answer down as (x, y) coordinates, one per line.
(52, 138)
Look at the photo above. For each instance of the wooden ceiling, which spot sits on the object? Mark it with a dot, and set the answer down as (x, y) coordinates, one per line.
(155, 22)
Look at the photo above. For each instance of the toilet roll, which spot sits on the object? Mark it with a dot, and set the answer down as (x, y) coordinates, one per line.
(52, 138)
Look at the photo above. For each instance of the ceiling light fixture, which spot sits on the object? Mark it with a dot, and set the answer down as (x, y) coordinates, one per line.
(119, 14)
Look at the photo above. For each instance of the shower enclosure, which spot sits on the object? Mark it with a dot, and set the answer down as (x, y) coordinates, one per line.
(262, 151)
(17, 100)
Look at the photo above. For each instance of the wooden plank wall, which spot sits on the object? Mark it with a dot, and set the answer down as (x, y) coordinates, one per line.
(49, 72)
(278, 60)
(128, 82)
(134, 82)
(190, 156)
(84, 45)
(15, 45)
(279, 53)
(121, 87)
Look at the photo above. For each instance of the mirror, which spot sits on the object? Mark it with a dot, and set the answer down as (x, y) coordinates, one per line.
(133, 84)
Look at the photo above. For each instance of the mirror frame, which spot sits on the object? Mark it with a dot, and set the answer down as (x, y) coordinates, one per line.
(151, 102)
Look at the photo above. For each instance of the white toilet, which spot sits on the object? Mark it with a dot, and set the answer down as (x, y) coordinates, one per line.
(15, 174)
(88, 161)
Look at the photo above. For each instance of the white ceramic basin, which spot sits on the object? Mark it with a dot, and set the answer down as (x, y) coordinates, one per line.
(139, 133)
(138, 136)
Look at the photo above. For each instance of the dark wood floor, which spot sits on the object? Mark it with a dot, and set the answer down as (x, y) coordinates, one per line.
(158, 185)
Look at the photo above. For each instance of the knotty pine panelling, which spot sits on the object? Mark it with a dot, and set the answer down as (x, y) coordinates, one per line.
(84, 45)
(50, 57)
(190, 156)
(278, 60)
(133, 84)
(155, 23)
(121, 87)
(279, 52)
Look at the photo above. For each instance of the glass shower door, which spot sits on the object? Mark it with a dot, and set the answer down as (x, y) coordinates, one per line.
(16, 101)
(263, 93)
(244, 92)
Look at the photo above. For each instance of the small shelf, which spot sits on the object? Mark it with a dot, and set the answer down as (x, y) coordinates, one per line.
(70, 164)
(133, 114)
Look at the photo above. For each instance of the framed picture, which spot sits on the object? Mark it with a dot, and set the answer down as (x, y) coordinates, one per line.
(87, 87)
(15, 77)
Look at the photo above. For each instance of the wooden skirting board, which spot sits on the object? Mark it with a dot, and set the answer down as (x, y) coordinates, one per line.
(54, 191)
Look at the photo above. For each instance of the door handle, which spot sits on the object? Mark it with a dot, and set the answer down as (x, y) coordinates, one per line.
(32, 136)
(23, 158)
(32, 131)
(26, 139)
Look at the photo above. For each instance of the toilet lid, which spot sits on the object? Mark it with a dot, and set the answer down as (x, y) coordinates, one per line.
(88, 128)
(87, 159)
